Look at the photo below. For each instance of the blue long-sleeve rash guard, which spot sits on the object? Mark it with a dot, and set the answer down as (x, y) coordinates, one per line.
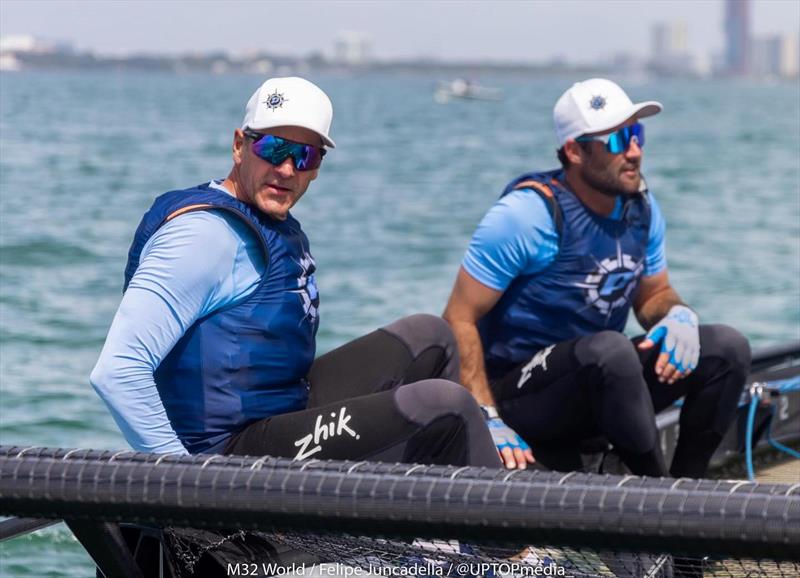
(193, 265)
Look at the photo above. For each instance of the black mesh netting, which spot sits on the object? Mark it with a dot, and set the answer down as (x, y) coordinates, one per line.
(201, 553)
(330, 518)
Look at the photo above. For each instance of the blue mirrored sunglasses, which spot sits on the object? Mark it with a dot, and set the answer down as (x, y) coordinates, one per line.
(619, 141)
(275, 150)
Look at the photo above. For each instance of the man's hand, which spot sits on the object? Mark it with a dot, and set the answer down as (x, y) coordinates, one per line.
(513, 450)
(679, 334)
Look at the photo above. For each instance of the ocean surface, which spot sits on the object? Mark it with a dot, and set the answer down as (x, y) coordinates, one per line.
(82, 155)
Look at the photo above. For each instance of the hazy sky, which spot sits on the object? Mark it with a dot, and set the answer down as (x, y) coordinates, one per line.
(533, 30)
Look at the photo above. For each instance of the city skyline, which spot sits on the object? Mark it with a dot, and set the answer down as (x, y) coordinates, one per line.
(449, 31)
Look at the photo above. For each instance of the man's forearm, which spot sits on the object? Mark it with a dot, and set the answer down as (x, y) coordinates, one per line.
(657, 306)
(473, 370)
(123, 375)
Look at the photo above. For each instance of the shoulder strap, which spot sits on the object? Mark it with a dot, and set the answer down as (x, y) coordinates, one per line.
(546, 193)
(170, 213)
(188, 209)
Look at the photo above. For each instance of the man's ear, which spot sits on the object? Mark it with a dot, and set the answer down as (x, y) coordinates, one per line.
(239, 141)
(573, 152)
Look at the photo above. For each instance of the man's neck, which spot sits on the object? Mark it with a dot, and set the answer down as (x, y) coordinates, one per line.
(597, 201)
(232, 186)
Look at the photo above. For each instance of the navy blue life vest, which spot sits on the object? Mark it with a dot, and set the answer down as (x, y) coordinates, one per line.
(589, 286)
(249, 360)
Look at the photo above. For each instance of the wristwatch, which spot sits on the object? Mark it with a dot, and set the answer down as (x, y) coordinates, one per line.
(489, 411)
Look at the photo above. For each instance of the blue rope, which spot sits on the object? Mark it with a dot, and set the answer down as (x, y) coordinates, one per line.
(776, 444)
(791, 384)
(748, 441)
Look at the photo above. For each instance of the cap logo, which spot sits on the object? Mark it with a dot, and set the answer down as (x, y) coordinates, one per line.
(598, 102)
(275, 100)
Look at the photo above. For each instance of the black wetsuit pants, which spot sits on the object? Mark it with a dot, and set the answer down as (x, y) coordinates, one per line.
(602, 384)
(389, 396)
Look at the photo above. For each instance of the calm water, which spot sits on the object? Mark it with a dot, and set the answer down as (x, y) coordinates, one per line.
(83, 155)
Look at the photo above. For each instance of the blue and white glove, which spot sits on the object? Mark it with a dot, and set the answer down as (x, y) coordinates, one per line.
(679, 334)
(506, 439)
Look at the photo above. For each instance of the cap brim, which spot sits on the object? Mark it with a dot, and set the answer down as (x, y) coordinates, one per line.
(649, 108)
(326, 140)
(639, 110)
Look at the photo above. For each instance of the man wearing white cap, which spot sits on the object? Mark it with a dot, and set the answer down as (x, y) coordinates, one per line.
(212, 348)
(544, 293)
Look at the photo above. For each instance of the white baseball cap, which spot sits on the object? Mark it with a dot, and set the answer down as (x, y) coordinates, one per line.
(594, 106)
(290, 101)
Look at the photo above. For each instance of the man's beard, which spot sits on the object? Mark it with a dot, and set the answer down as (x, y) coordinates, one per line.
(607, 184)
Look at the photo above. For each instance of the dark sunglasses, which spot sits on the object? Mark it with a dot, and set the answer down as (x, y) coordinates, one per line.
(275, 150)
(619, 141)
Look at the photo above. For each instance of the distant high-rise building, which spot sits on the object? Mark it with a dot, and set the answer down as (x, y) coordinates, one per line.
(669, 38)
(765, 54)
(670, 53)
(737, 36)
(789, 56)
(775, 55)
(352, 48)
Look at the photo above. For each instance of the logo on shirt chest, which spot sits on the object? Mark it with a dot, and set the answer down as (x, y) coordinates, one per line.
(611, 285)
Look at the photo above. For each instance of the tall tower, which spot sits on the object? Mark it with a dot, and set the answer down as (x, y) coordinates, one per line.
(670, 54)
(737, 36)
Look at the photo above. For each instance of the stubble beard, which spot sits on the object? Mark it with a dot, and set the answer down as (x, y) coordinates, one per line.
(609, 184)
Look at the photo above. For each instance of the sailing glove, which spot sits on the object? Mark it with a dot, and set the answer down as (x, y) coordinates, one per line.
(679, 334)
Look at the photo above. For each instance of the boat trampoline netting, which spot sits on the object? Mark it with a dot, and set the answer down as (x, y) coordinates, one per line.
(266, 516)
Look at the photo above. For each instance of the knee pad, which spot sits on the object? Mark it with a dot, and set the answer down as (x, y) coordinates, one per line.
(610, 351)
(727, 343)
(425, 400)
(448, 409)
(422, 331)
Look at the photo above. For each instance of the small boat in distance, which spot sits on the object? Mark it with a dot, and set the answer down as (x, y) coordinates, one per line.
(461, 88)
